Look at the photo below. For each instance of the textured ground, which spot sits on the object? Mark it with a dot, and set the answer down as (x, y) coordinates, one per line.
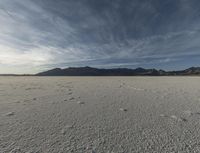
(99, 114)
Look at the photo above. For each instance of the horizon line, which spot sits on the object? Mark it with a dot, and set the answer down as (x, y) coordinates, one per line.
(33, 74)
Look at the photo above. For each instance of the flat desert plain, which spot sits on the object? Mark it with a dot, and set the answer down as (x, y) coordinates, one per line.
(99, 114)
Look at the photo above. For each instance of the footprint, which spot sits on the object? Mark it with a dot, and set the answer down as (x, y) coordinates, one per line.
(26, 100)
(72, 98)
(70, 93)
(178, 119)
(10, 114)
(123, 109)
(197, 113)
(174, 117)
(163, 115)
(80, 102)
(189, 113)
(183, 119)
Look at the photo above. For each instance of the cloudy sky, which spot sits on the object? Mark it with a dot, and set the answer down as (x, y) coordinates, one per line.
(36, 35)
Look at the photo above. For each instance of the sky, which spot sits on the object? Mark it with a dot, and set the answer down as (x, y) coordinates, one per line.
(37, 35)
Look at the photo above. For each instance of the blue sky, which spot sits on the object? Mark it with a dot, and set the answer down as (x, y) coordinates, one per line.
(36, 35)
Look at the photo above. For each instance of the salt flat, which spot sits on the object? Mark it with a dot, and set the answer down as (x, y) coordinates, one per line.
(99, 114)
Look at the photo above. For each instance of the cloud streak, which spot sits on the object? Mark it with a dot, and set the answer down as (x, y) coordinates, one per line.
(43, 34)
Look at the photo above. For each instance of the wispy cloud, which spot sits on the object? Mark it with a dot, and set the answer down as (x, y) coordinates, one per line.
(115, 33)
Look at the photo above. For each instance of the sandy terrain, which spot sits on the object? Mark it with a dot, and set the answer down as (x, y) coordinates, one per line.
(99, 114)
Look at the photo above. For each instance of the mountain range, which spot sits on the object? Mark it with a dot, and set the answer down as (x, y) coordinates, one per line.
(90, 71)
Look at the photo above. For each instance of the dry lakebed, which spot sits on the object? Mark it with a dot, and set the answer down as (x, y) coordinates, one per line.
(99, 114)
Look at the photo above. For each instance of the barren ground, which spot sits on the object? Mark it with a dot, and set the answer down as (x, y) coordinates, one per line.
(99, 114)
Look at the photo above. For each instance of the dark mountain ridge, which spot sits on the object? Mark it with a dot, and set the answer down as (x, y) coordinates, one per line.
(90, 71)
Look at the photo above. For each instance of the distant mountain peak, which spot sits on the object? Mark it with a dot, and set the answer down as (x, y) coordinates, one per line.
(90, 71)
